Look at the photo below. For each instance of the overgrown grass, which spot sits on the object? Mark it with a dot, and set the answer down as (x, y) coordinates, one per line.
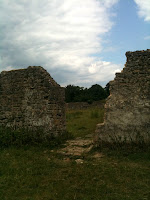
(25, 137)
(83, 122)
(37, 172)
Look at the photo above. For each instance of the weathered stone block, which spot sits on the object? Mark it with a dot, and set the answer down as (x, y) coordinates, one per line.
(31, 99)
(127, 109)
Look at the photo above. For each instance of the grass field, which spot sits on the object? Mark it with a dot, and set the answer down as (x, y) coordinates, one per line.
(39, 173)
(83, 122)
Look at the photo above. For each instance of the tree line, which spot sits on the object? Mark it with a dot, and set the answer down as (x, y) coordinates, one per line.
(81, 94)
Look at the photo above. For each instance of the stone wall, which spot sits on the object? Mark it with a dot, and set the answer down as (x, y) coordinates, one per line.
(127, 109)
(84, 105)
(31, 99)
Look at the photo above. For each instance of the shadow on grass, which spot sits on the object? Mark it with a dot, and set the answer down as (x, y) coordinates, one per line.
(24, 137)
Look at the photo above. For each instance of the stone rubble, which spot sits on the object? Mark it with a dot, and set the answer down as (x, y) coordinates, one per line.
(76, 147)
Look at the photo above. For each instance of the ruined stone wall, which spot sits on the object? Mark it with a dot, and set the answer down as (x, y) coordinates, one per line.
(31, 99)
(127, 109)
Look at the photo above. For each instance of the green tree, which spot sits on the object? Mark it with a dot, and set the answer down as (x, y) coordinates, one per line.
(73, 93)
(107, 89)
(79, 94)
(96, 92)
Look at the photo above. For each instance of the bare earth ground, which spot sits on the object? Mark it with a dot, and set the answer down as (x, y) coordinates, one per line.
(78, 147)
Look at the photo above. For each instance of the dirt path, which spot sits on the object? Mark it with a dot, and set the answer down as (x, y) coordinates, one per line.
(78, 148)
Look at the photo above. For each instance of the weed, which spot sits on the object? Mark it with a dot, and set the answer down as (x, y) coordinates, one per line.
(94, 114)
(73, 115)
(22, 137)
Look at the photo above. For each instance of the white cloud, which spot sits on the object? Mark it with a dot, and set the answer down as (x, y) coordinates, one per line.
(102, 70)
(61, 35)
(147, 37)
(144, 9)
(8, 68)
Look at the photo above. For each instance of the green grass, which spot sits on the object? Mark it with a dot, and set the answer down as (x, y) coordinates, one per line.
(23, 137)
(39, 173)
(83, 122)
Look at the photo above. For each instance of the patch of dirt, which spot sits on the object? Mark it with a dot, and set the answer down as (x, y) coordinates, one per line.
(76, 147)
(98, 155)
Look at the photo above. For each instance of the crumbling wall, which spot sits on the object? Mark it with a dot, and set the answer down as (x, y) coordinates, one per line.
(31, 99)
(127, 109)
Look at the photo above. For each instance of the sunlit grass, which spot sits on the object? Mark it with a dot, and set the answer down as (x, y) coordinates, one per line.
(83, 122)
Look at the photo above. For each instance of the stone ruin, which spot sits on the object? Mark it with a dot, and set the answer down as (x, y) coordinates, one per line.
(31, 99)
(127, 109)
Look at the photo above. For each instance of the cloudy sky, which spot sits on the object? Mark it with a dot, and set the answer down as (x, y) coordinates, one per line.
(80, 42)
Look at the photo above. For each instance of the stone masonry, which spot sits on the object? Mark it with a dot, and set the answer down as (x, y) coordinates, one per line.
(31, 99)
(127, 109)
